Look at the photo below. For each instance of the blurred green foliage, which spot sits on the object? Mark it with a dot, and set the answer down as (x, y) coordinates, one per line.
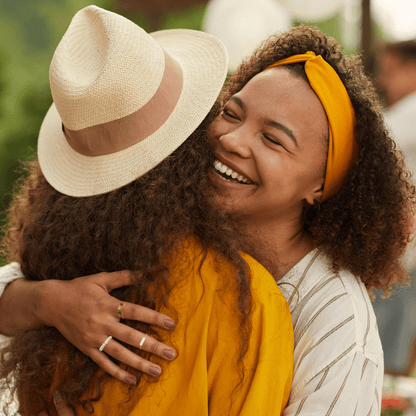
(29, 33)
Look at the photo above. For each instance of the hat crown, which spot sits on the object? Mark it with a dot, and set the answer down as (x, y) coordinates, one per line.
(127, 100)
(104, 68)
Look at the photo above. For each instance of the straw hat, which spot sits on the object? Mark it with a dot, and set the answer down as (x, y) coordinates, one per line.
(123, 100)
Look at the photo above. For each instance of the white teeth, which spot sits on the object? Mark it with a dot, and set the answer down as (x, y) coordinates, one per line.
(221, 177)
(229, 172)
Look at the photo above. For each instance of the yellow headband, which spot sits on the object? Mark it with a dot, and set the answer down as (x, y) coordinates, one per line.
(343, 148)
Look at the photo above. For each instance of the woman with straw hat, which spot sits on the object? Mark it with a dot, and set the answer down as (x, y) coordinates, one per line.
(323, 200)
(117, 186)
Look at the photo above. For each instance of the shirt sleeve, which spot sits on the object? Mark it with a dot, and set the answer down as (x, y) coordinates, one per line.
(8, 274)
(268, 363)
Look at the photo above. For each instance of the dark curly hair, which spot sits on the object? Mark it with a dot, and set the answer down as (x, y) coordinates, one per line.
(137, 227)
(367, 225)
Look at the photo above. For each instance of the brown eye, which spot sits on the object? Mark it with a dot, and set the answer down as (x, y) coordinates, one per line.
(272, 140)
(228, 114)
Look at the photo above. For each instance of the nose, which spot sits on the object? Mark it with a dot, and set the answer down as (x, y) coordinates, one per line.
(236, 142)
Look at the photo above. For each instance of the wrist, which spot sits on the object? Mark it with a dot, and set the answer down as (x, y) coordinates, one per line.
(44, 294)
(18, 306)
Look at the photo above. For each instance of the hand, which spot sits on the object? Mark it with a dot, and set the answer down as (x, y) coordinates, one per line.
(85, 314)
(61, 406)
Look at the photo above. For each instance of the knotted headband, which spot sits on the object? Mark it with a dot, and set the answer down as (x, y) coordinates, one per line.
(342, 148)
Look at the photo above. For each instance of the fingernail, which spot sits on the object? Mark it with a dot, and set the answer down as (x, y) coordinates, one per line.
(57, 398)
(156, 371)
(170, 324)
(131, 381)
(169, 354)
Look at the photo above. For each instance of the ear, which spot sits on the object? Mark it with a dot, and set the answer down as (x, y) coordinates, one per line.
(315, 193)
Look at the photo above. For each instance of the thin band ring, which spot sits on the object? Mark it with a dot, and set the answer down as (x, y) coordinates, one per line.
(120, 311)
(142, 341)
(105, 343)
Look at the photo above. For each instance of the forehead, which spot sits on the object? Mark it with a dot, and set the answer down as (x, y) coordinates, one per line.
(277, 94)
(276, 83)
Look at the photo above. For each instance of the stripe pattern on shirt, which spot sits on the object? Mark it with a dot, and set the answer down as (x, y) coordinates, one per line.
(338, 360)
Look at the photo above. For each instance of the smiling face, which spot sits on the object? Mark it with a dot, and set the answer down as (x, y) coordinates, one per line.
(270, 143)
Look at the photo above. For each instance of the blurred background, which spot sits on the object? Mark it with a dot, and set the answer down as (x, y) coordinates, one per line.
(31, 30)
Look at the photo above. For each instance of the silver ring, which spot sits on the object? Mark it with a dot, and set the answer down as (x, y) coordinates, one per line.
(142, 341)
(105, 343)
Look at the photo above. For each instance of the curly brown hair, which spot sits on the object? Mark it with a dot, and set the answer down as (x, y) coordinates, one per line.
(367, 225)
(135, 228)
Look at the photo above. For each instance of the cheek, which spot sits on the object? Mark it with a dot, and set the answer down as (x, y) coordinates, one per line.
(213, 131)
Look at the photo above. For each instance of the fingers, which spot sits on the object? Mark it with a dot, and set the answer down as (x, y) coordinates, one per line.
(110, 281)
(146, 315)
(61, 406)
(87, 316)
(113, 280)
(121, 353)
(138, 339)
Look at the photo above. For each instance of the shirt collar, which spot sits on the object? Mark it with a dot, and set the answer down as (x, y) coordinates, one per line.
(301, 278)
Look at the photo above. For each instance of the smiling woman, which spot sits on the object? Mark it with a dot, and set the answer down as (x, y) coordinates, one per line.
(374, 193)
(321, 197)
(329, 208)
(272, 132)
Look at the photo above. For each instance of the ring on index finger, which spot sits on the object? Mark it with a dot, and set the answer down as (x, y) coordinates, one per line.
(120, 311)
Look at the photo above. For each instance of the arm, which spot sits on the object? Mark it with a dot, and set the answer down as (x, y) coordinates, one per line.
(21, 314)
(85, 314)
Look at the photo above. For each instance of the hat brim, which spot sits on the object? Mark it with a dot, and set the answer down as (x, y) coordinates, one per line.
(203, 59)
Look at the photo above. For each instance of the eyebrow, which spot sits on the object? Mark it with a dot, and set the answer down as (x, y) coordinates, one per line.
(238, 101)
(268, 122)
(283, 128)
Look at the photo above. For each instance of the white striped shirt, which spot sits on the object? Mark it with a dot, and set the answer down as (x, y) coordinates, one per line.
(338, 358)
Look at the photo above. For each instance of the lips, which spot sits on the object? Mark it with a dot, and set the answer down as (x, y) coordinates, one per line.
(226, 173)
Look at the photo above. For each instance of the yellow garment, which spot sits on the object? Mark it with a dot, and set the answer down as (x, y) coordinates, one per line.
(343, 148)
(201, 380)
